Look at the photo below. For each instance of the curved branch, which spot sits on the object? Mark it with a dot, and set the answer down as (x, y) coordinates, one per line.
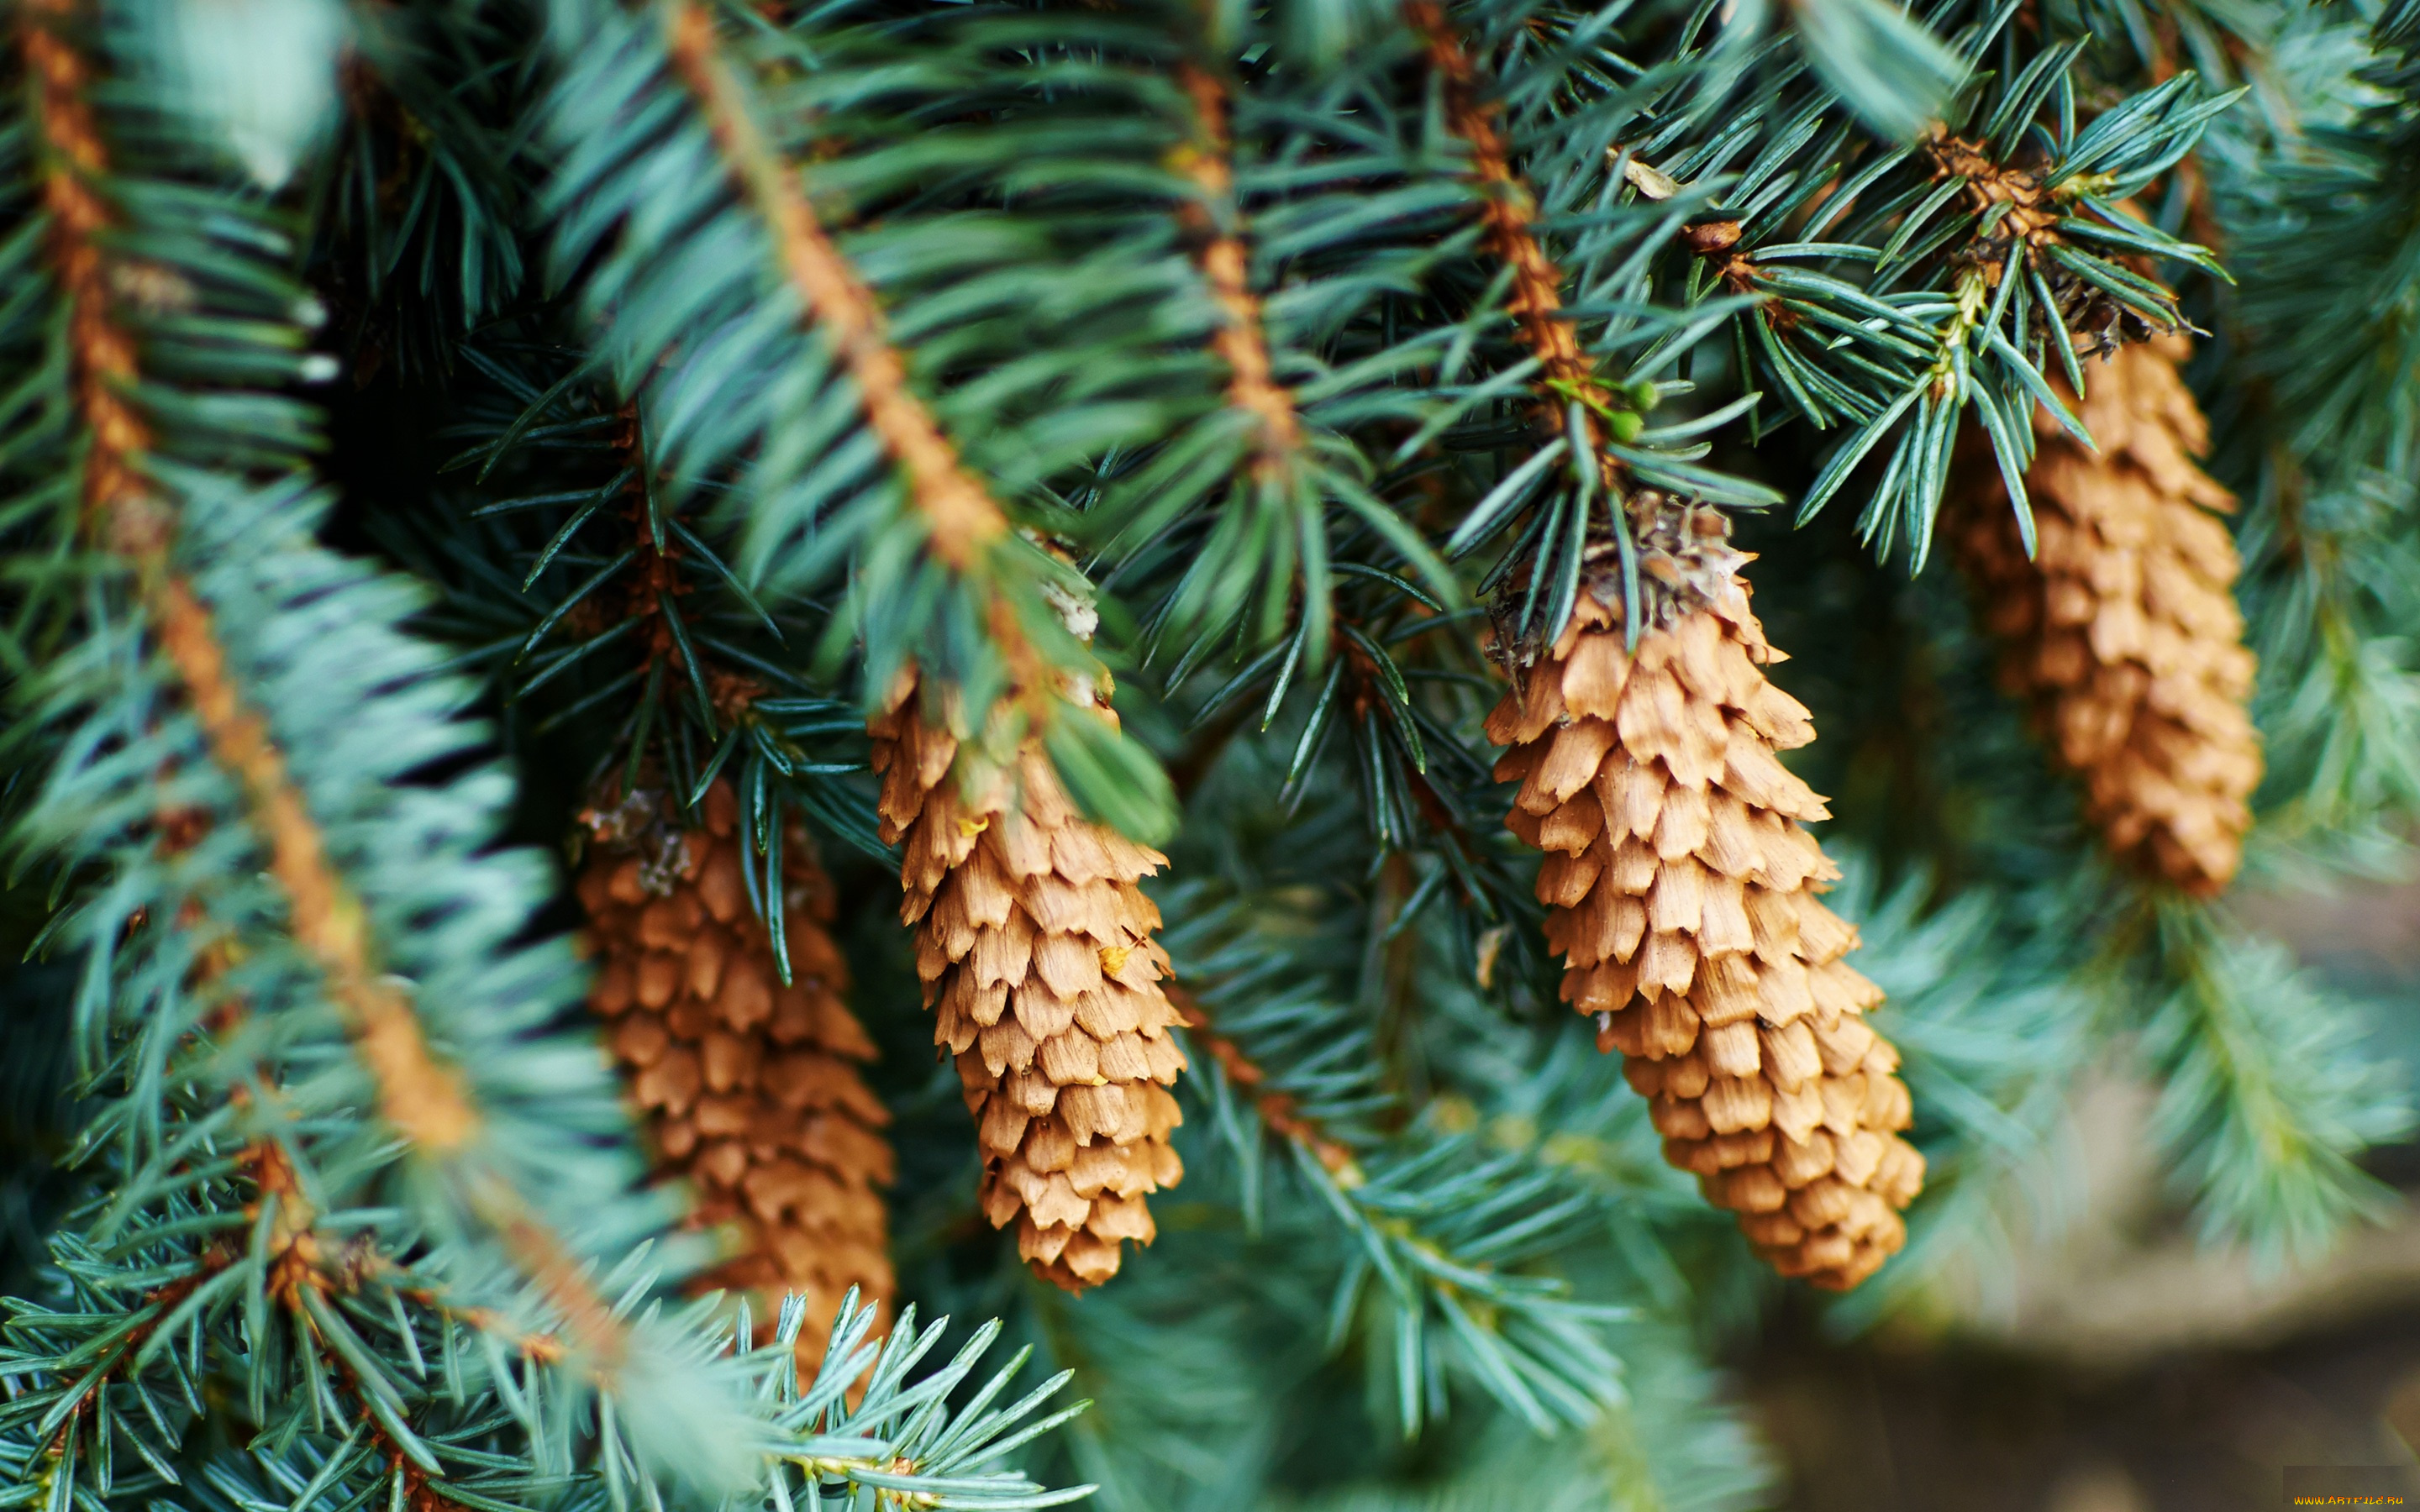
(423, 1099)
(963, 518)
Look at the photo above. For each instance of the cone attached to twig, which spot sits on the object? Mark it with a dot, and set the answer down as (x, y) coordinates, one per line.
(1035, 947)
(2122, 633)
(750, 1088)
(1683, 900)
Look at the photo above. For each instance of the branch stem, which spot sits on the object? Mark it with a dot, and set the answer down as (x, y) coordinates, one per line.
(962, 516)
(1510, 233)
(1225, 263)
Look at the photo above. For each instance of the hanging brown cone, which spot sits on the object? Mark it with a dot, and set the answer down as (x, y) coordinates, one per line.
(750, 1090)
(1035, 947)
(2122, 632)
(1682, 897)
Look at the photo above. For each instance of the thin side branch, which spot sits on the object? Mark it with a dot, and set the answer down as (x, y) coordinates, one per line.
(1277, 1110)
(659, 582)
(963, 518)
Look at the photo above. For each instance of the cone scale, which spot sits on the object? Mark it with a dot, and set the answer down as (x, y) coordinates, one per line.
(1681, 891)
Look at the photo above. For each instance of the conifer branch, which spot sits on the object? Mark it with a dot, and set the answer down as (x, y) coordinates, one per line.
(424, 1099)
(1242, 525)
(704, 685)
(659, 580)
(2316, 418)
(103, 357)
(1596, 430)
(663, 836)
(421, 1099)
(862, 325)
(1007, 585)
(1376, 1169)
(302, 1268)
(2267, 1092)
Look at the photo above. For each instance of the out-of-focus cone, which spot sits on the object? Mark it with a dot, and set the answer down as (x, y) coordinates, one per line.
(750, 1088)
(2122, 633)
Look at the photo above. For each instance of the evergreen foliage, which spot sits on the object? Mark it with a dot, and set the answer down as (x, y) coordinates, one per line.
(422, 426)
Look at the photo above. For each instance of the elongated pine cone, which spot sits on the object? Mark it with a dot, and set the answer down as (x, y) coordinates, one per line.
(1035, 947)
(750, 1088)
(1682, 897)
(2122, 632)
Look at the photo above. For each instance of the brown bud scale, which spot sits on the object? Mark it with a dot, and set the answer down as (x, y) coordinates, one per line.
(2122, 633)
(1035, 949)
(749, 1090)
(1682, 890)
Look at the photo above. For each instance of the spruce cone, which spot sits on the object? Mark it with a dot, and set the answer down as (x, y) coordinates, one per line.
(1036, 945)
(749, 1087)
(2123, 632)
(1683, 893)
